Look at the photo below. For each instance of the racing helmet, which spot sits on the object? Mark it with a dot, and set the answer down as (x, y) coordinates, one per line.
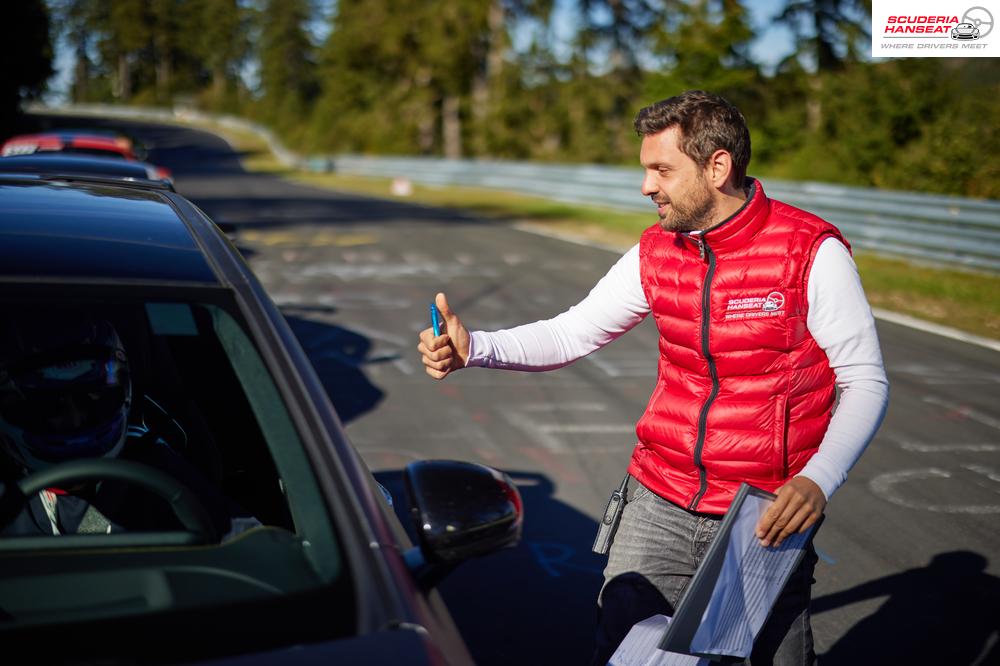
(65, 389)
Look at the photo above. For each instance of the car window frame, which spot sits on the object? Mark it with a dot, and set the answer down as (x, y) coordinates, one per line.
(313, 521)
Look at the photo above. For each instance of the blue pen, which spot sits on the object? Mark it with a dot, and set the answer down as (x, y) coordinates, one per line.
(435, 322)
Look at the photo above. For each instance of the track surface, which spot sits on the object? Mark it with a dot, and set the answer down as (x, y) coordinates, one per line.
(911, 545)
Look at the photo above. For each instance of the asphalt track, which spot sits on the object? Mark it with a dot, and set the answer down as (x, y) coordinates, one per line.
(910, 569)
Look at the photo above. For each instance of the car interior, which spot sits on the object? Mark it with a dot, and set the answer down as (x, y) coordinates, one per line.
(204, 412)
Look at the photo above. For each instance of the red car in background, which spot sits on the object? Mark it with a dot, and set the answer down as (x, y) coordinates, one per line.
(89, 142)
(69, 142)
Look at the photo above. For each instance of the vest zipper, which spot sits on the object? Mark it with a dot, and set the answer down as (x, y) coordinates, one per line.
(706, 293)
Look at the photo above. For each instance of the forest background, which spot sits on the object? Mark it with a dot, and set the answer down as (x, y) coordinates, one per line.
(489, 79)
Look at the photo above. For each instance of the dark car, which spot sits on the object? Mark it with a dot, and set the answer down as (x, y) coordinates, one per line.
(70, 166)
(176, 484)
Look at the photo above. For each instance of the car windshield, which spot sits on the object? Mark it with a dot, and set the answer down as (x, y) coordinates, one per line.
(178, 387)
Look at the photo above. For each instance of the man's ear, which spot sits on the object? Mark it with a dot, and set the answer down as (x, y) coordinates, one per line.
(719, 168)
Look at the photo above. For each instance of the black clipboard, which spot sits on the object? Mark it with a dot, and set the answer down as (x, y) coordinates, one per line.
(693, 603)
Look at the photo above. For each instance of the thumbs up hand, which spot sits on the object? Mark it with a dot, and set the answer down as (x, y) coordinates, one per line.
(449, 351)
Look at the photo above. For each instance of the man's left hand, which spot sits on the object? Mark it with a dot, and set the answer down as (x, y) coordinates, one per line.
(799, 505)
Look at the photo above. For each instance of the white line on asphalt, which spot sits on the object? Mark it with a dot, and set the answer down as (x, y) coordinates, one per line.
(531, 429)
(588, 428)
(625, 367)
(565, 406)
(965, 411)
(610, 369)
(944, 448)
(404, 366)
(942, 373)
(371, 451)
(547, 436)
(936, 329)
(382, 272)
(530, 228)
(885, 486)
(988, 472)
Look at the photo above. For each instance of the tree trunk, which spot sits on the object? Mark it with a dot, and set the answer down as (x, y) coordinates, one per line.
(492, 63)
(451, 127)
(425, 134)
(814, 104)
(491, 67)
(425, 110)
(123, 89)
(495, 20)
(163, 79)
(218, 84)
(81, 77)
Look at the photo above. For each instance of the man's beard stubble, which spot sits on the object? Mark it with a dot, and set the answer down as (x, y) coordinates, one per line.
(694, 213)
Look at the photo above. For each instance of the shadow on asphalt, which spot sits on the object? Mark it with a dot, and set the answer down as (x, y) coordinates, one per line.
(945, 613)
(303, 205)
(338, 355)
(194, 156)
(488, 597)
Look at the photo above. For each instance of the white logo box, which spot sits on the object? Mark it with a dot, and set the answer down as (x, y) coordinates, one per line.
(935, 29)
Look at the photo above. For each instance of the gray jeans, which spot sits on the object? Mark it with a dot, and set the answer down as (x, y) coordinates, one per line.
(654, 555)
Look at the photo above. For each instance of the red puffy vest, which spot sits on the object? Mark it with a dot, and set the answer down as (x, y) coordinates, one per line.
(743, 392)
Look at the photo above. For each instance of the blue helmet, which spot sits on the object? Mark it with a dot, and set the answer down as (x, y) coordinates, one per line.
(65, 389)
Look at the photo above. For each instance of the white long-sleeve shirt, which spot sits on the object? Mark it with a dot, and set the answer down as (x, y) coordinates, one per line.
(839, 319)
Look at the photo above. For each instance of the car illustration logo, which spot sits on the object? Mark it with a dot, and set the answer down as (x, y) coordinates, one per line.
(965, 31)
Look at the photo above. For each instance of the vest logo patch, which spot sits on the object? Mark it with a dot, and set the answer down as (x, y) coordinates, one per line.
(755, 307)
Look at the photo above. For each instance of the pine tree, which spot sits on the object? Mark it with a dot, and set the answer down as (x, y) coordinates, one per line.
(221, 43)
(287, 63)
(829, 32)
(618, 34)
(705, 44)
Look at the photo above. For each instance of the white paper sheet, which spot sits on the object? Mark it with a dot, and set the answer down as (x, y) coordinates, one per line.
(640, 647)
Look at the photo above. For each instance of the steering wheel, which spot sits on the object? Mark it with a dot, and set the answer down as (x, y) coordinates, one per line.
(183, 502)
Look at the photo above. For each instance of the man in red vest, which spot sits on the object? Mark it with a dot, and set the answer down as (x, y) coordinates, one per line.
(761, 316)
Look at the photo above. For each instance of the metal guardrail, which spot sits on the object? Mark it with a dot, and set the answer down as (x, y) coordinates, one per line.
(942, 229)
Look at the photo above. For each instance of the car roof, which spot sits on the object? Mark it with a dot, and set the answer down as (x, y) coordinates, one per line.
(73, 163)
(54, 230)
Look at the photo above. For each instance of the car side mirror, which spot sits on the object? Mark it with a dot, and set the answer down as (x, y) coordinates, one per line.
(460, 510)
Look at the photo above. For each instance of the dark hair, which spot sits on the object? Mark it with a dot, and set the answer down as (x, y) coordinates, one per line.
(707, 123)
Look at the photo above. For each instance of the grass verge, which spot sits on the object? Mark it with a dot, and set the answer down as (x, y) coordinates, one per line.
(969, 301)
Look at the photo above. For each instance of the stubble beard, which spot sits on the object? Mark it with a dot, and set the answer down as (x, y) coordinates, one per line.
(693, 213)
